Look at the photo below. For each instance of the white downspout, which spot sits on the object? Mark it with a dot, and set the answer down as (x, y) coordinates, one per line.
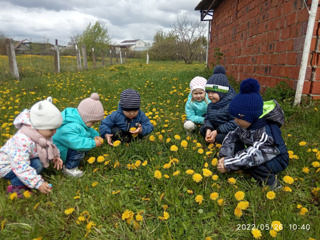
(208, 40)
(306, 51)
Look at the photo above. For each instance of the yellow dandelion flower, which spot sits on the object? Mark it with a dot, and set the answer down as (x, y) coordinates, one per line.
(305, 170)
(132, 129)
(199, 199)
(90, 224)
(315, 191)
(13, 195)
(2, 224)
(176, 173)
(299, 206)
(139, 217)
(243, 205)
(173, 148)
(116, 192)
(69, 211)
(116, 164)
(94, 184)
(271, 195)
(127, 215)
(303, 211)
(76, 197)
(214, 196)
(36, 206)
(220, 201)
(91, 160)
(232, 181)
(152, 138)
(238, 212)
(100, 159)
(273, 233)
(190, 172)
(200, 151)
(116, 143)
(197, 177)
(184, 143)
(256, 233)
(137, 163)
(145, 199)
(168, 140)
(206, 165)
(302, 143)
(160, 137)
(287, 189)
(215, 177)
(157, 174)
(239, 195)
(189, 191)
(206, 172)
(167, 166)
(214, 162)
(288, 179)
(315, 164)
(276, 225)
(81, 218)
(106, 162)
(177, 137)
(166, 176)
(26, 194)
(145, 163)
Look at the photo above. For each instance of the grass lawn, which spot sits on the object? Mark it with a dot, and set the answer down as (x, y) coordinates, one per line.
(146, 190)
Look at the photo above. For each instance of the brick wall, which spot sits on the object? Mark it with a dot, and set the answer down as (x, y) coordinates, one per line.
(264, 39)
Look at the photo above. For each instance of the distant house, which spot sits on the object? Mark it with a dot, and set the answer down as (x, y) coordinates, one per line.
(134, 45)
(23, 47)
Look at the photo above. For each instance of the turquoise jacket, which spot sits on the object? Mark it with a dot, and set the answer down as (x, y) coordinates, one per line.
(196, 111)
(73, 134)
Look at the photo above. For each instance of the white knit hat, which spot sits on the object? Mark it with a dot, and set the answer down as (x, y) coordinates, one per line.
(45, 116)
(198, 82)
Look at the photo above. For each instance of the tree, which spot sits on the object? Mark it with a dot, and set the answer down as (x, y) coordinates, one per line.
(95, 36)
(190, 38)
(3, 44)
(163, 47)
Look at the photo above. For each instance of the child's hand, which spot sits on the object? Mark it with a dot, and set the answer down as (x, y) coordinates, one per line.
(45, 188)
(221, 168)
(109, 139)
(209, 137)
(58, 163)
(137, 131)
(98, 141)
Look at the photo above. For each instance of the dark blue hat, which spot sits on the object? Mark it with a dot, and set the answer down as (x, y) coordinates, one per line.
(218, 82)
(130, 100)
(248, 104)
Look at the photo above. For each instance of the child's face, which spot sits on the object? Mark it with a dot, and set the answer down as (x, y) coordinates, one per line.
(90, 124)
(131, 114)
(198, 95)
(242, 123)
(47, 133)
(213, 96)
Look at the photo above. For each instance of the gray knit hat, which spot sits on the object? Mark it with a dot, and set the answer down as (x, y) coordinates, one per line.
(91, 109)
(218, 82)
(130, 100)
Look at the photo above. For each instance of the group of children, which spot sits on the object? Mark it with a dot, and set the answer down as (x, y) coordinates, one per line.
(247, 128)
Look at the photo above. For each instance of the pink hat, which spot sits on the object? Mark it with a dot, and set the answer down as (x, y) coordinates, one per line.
(198, 82)
(91, 109)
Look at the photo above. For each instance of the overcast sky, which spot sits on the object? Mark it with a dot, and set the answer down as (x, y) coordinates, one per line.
(42, 20)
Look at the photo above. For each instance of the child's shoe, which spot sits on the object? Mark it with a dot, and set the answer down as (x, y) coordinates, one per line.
(72, 172)
(276, 185)
(20, 190)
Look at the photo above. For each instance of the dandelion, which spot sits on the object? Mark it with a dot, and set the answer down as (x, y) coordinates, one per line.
(116, 143)
(206, 165)
(76, 197)
(303, 211)
(36, 206)
(243, 205)
(206, 172)
(214, 162)
(197, 177)
(315, 164)
(220, 201)
(256, 233)
(215, 177)
(173, 148)
(177, 137)
(288, 179)
(199, 199)
(100, 159)
(315, 190)
(184, 143)
(287, 189)
(277, 226)
(273, 233)
(95, 184)
(2, 224)
(189, 191)
(139, 217)
(190, 172)
(305, 170)
(214, 196)
(152, 138)
(239, 195)
(167, 165)
(157, 174)
(165, 216)
(168, 140)
(302, 143)
(115, 192)
(160, 137)
(137, 163)
(271, 195)
(13, 195)
(232, 181)
(176, 173)
(238, 212)
(116, 164)
(91, 160)
(299, 206)
(89, 225)
(27, 194)
(127, 215)
(81, 218)
(69, 211)
(200, 151)
(106, 163)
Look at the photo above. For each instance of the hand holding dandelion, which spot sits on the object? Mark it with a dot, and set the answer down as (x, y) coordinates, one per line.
(45, 188)
(211, 136)
(221, 168)
(98, 141)
(136, 131)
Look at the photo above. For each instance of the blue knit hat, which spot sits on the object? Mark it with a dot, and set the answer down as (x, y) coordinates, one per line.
(248, 104)
(218, 82)
(130, 100)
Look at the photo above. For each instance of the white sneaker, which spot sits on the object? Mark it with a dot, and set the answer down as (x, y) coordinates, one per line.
(72, 172)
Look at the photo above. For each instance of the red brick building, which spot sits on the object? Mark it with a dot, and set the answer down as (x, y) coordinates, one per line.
(264, 39)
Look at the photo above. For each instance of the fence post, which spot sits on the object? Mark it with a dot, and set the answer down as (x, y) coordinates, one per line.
(117, 60)
(79, 66)
(125, 57)
(84, 56)
(147, 58)
(110, 56)
(56, 58)
(177, 57)
(102, 58)
(93, 59)
(12, 58)
(120, 57)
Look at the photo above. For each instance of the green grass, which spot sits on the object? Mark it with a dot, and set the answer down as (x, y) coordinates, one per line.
(163, 87)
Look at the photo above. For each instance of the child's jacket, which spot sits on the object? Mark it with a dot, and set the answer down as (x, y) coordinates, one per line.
(262, 142)
(15, 155)
(218, 116)
(196, 111)
(74, 134)
(118, 119)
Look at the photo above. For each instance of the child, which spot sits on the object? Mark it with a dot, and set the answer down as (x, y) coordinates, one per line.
(76, 136)
(256, 145)
(196, 105)
(218, 121)
(117, 125)
(27, 153)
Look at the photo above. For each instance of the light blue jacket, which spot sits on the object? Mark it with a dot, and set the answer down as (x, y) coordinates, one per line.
(196, 110)
(74, 134)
